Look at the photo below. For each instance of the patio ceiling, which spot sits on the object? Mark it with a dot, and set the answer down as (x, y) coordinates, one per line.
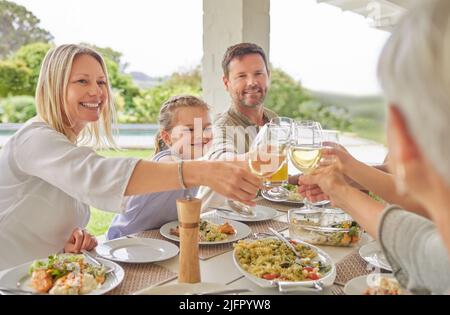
(382, 14)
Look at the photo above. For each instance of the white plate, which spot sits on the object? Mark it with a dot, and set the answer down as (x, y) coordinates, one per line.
(295, 203)
(327, 280)
(288, 202)
(261, 214)
(182, 288)
(373, 254)
(242, 231)
(137, 250)
(20, 274)
(358, 285)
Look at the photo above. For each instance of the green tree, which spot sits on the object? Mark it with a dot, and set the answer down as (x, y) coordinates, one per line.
(109, 53)
(147, 105)
(14, 78)
(17, 109)
(122, 83)
(18, 27)
(285, 95)
(192, 79)
(119, 80)
(32, 56)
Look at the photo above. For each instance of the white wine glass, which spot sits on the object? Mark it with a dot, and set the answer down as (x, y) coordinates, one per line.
(330, 139)
(267, 154)
(268, 151)
(273, 185)
(305, 149)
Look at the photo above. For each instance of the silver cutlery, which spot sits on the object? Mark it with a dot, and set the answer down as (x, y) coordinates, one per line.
(96, 262)
(20, 291)
(290, 287)
(298, 257)
(286, 287)
(226, 291)
(242, 214)
(249, 213)
(258, 235)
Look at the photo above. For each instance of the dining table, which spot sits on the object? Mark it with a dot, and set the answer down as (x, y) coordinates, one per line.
(218, 268)
(217, 265)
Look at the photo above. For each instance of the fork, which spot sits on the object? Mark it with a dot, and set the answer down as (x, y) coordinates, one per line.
(96, 262)
(298, 257)
(285, 287)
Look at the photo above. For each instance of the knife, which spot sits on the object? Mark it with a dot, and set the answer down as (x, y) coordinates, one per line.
(226, 291)
(20, 291)
(240, 214)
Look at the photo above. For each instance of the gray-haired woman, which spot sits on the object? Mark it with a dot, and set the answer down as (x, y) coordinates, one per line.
(414, 71)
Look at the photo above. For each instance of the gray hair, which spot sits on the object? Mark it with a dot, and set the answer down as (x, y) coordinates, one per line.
(414, 72)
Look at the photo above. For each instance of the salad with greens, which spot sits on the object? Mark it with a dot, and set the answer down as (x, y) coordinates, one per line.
(345, 233)
(293, 193)
(65, 274)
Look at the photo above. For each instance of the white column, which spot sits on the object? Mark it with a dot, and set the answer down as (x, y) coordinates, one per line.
(225, 23)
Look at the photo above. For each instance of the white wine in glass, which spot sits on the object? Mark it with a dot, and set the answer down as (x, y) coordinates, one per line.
(305, 159)
(266, 156)
(273, 185)
(305, 150)
(330, 139)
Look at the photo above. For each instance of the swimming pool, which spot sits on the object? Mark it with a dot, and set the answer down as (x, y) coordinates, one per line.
(130, 136)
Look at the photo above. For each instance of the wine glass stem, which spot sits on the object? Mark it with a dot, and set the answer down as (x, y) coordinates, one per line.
(307, 203)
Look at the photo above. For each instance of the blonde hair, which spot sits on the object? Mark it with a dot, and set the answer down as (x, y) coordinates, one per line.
(51, 93)
(414, 72)
(167, 115)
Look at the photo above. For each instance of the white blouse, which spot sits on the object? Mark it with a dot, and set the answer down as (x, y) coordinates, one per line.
(46, 186)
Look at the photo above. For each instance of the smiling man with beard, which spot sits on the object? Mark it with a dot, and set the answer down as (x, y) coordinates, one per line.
(246, 77)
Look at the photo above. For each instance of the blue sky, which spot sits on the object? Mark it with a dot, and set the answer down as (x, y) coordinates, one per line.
(318, 44)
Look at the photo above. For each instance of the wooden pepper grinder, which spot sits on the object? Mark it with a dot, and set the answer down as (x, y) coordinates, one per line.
(188, 222)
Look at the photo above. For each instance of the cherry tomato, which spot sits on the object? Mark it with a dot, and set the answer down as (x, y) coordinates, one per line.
(270, 276)
(313, 276)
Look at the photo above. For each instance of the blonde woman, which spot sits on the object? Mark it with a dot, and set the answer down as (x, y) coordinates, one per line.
(414, 71)
(48, 181)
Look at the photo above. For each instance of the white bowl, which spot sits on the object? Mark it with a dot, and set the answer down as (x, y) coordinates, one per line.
(326, 281)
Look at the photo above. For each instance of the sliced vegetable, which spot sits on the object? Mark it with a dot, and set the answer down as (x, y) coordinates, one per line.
(270, 276)
(313, 276)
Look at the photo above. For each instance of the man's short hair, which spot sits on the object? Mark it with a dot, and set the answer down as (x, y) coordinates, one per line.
(240, 50)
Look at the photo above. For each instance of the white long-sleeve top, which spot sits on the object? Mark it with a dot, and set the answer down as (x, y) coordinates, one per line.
(46, 186)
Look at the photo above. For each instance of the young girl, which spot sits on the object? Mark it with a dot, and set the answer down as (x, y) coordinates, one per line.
(177, 139)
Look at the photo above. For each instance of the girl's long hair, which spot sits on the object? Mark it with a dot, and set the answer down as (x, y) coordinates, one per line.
(167, 115)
